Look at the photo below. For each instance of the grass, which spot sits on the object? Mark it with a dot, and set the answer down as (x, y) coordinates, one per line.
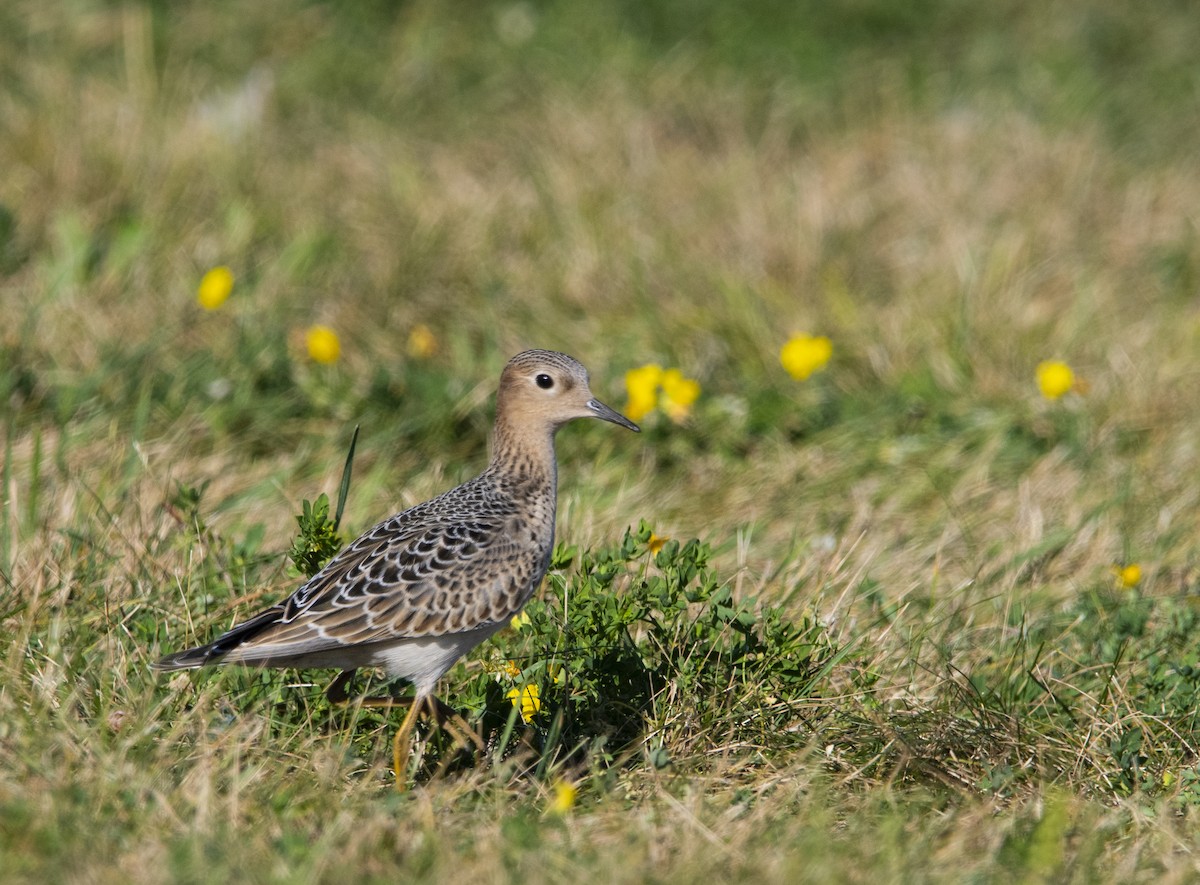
(897, 652)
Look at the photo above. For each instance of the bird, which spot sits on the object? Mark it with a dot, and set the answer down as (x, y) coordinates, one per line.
(422, 588)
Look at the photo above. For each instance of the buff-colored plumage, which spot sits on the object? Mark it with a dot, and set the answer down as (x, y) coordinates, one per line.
(423, 587)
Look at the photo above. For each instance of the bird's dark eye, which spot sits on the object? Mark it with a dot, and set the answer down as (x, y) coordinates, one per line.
(544, 381)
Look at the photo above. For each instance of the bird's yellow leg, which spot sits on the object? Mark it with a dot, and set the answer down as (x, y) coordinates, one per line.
(402, 743)
(433, 708)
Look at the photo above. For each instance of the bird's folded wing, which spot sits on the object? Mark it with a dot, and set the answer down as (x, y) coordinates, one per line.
(397, 583)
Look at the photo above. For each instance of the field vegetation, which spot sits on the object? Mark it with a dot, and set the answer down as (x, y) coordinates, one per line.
(887, 606)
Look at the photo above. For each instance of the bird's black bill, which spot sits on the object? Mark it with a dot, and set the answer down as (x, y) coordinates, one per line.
(603, 411)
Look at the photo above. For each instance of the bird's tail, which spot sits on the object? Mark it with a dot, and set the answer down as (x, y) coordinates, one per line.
(201, 655)
(187, 659)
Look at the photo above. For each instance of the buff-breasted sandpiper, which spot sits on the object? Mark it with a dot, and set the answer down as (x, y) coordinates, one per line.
(424, 587)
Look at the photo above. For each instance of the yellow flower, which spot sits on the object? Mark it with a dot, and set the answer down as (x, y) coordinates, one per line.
(805, 354)
(642, 386)
(511, 670)
(528, 700)
(422, 344)
(1129, 575)
(215, 287)
(565, 794)
(519, 621)
(645, 384)
(656, 543)
(323, 345)
(1054, 378)
(678, 394)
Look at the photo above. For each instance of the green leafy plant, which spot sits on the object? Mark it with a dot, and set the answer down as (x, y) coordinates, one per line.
(643, 642)
(319, 540)
(185, 505)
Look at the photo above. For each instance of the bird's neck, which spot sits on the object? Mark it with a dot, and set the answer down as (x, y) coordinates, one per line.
(523, 458)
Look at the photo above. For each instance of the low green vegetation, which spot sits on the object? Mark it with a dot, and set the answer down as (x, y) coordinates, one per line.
(899, 583)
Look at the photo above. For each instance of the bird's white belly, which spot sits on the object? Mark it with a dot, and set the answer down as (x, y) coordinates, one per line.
(424, 661)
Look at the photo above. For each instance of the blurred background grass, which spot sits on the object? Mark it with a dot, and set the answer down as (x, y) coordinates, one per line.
(952, 192)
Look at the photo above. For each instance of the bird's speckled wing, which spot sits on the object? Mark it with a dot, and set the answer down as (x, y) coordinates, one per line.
(429, 571)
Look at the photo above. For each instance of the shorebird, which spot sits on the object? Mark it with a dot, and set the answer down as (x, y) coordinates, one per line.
(422, 588)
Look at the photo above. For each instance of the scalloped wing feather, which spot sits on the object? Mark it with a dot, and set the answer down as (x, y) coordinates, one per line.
(409, 578)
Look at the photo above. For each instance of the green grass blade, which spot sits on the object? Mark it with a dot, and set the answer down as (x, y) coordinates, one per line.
(344, 488)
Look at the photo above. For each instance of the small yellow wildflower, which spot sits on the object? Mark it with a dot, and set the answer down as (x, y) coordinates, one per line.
(656, 543)
(519, 620)
(1129, 575)
(528, 700)
(565, 794)
(323, 345)
(805, 354)
(215, 287)
(1054, 378)
(642, 386)
(422, 343)
(678, 394)
(511, 670)
(650, 387)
